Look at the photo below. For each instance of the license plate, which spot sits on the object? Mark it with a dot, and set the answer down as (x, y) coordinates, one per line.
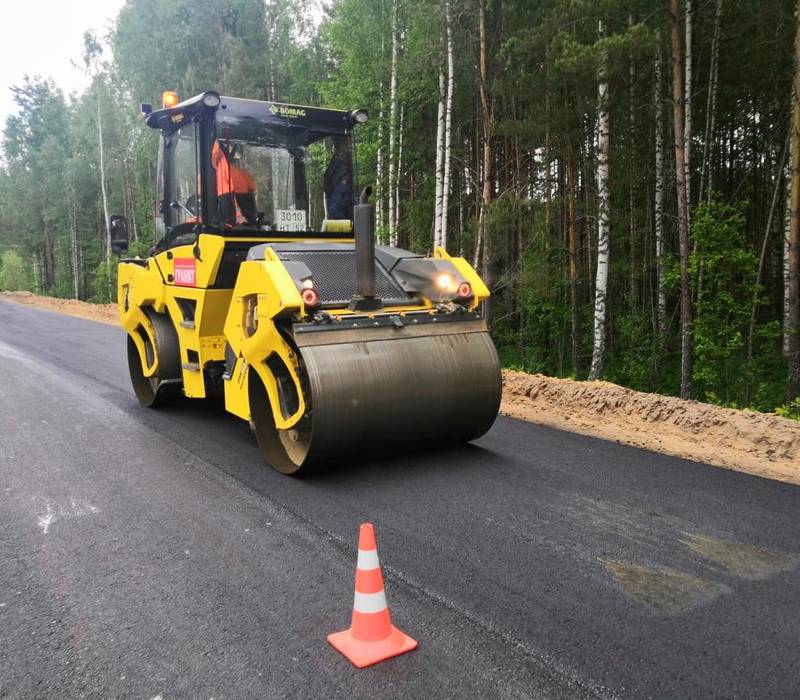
(291, 220)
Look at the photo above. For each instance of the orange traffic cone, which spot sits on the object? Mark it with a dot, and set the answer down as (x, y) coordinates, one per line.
(372, 637)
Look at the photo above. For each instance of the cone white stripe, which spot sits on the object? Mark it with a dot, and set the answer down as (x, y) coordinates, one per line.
(369, 602)
(368, 559)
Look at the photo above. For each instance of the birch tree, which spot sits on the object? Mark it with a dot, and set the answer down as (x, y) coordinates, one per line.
(399, 174)
(486, 189)
(379, 209)
(448, 123)
(393, 128)
(106, 219)
(603, 215)
(437, 216)
(679, 116)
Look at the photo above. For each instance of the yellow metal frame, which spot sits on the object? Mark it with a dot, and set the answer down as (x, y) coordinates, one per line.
(267, 285)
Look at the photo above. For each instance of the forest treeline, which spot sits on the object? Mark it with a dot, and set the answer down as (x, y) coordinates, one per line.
(620, 171)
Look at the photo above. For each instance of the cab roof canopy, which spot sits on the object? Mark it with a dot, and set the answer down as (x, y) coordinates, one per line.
(235, 110)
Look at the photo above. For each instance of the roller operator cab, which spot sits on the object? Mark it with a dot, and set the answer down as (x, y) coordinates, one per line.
(266, 287)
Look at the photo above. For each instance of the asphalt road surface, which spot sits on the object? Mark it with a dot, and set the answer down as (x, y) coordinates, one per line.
(147, 553)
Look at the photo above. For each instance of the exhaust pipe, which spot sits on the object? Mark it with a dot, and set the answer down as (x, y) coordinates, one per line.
(364, 234)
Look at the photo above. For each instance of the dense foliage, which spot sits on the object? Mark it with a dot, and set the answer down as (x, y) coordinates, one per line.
(539, 212)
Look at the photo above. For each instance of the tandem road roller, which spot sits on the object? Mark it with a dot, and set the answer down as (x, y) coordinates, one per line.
(267, 288)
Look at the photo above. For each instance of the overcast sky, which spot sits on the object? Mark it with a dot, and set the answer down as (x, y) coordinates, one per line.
(44, 37)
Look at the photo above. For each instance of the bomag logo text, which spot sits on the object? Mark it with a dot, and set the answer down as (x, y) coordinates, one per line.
(283, 111)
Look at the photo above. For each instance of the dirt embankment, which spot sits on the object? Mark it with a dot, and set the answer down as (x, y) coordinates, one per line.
(756, 443)
(107, 313)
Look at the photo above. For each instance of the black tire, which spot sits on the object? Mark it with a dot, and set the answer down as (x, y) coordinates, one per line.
(165, 386)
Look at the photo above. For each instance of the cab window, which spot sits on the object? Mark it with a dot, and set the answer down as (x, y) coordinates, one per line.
(184, 200)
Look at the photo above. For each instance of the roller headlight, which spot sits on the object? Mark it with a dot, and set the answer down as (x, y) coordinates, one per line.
(359, 116)
(445, 282)
(211, 99)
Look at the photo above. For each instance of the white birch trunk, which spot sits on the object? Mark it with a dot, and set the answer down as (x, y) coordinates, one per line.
(486, 255)
(399, 176)
(101, 148)
(659, 192)
(688, 100)
(448, 120)
(437, 214)
(679, 123)
(379, 224)
(601, 280)
(392, 128)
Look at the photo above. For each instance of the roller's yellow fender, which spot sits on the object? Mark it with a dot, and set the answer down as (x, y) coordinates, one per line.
(139, 287)
(267, 284)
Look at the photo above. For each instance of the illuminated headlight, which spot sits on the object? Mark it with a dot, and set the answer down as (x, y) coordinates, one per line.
(211, 100)
(308, 283)
(445, 282)
(359, 116)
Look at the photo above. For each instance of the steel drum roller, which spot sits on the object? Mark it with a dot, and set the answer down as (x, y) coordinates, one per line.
(368, 396)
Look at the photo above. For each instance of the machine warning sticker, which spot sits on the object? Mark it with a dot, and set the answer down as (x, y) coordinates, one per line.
(185, 272)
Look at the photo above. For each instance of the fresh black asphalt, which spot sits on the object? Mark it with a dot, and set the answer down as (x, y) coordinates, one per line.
(147, 553)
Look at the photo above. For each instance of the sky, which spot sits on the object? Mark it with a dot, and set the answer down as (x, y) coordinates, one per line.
(45, 37)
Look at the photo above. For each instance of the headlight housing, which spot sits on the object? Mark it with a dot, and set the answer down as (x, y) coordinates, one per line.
(433, 278)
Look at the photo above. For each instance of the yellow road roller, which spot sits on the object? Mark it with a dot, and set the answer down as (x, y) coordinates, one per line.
(267, 289)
